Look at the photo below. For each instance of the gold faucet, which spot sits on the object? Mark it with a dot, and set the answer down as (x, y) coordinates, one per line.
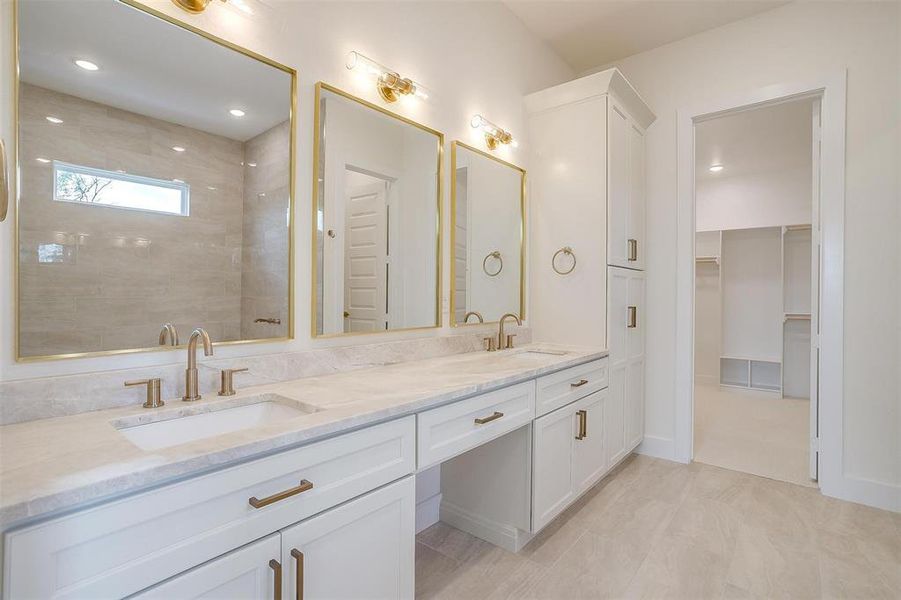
(169, 334)
(503, 343)
(191, 392)
(473, 313)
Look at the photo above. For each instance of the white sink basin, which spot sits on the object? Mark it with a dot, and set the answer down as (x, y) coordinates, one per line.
(541, 353)
(253, 412)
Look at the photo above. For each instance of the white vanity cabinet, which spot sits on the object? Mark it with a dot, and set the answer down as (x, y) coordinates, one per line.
(568, 456)
(625, 188)
(252, 571)
(362, 549)
(124, 546)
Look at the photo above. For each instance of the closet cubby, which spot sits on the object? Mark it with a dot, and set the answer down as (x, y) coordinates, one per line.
(753, 299)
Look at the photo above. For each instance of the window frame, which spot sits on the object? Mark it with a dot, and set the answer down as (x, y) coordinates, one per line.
(181, 186)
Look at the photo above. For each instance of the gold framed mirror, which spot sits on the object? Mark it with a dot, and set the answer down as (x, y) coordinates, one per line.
(156, 184)
(376, 235)
(488, 220)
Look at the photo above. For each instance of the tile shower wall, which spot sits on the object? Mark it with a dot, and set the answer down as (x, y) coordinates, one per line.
(116, 275)
(264, 271)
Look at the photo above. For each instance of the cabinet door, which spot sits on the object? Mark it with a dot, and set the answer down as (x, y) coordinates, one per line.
(619, 186)
(589, 462)
(637, 199)
(552, 476)
(635, 362)
(251, 571)
(618, 315)
(362, 549)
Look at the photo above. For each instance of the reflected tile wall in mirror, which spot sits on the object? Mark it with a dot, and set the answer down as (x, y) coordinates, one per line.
(106, 256)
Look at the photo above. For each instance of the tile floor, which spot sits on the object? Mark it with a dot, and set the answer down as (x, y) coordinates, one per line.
(657, 529)
(753, 432)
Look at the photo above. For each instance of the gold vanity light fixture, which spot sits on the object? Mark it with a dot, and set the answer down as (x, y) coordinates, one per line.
(392, 87)
(494, 135)
(198, 6)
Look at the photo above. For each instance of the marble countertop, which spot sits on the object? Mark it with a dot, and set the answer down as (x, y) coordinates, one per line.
(53, 465)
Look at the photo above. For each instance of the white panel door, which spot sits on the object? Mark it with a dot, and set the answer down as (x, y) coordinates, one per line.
(365, 259)
(617, 344)
(252, 571)
(619, 187)
(362, 549)
(589, 462)
(635, 244)
(552, 475)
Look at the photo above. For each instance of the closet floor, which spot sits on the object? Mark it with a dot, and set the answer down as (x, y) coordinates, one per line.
(753, 432)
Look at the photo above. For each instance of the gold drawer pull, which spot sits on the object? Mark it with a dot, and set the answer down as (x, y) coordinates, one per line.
(303, 487)
(579, 384)
(277, 576)
(483, 420)
(298, 556)
(583, 424)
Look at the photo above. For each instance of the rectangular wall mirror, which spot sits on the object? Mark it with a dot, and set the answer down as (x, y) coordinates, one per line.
(156, 167)
(487, 236)
(377, 218)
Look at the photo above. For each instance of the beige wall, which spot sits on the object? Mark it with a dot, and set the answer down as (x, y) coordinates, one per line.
(125, 272)
(264, 272)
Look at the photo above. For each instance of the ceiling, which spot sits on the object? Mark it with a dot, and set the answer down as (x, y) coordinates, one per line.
(149, 67)
(595, 33)
(762, 140)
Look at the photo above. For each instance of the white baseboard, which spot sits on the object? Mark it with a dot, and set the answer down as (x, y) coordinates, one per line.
(507, 537)
(427, 512)
(657, 447)
(862, 491)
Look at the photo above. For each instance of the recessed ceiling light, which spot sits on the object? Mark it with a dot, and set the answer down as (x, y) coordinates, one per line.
(716, 168)
(86, 65)
(210, 187)
(178, 148)
(236, 112)
(43, 160)
(251, 164)
(54, 120)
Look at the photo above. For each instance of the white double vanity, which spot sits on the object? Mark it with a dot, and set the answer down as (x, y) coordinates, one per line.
(318, 505)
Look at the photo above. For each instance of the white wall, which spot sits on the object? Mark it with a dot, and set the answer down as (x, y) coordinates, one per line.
(474, 57)
(759, 200)
(792, 43)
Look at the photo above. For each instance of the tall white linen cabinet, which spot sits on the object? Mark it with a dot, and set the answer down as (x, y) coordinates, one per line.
(588, 246)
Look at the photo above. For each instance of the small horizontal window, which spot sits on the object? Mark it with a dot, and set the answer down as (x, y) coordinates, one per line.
(97, 187)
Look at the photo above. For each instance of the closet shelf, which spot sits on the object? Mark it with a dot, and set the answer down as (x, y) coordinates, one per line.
(708, 259)
(796, 317)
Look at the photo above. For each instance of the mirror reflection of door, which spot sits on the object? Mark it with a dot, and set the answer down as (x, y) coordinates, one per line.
(366, 268)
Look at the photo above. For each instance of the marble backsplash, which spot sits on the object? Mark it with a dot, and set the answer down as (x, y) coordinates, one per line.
(30, 399)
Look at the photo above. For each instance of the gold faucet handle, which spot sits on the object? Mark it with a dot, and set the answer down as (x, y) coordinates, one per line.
(491, 343)
(510, 337)
(153, 391)
(226, 381)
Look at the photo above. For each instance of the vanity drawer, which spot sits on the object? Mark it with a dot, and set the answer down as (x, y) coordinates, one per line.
(561, 388)
(450, 430)
(124, 546)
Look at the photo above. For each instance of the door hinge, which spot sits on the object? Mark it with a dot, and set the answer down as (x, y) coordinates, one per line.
(815, 444)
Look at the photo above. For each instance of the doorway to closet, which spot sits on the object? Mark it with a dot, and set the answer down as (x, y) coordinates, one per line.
(756, 290)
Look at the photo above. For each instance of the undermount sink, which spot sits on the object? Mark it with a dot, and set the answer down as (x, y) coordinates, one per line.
(253, 411)
(536, 353)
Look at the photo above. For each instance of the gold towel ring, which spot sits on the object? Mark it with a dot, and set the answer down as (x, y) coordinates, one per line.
(496, 254)
(564, 250)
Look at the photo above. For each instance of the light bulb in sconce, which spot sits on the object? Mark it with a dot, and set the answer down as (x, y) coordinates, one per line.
(390, 84)
(494, 135)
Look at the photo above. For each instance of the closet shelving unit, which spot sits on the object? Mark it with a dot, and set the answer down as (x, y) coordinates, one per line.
(763, 279)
